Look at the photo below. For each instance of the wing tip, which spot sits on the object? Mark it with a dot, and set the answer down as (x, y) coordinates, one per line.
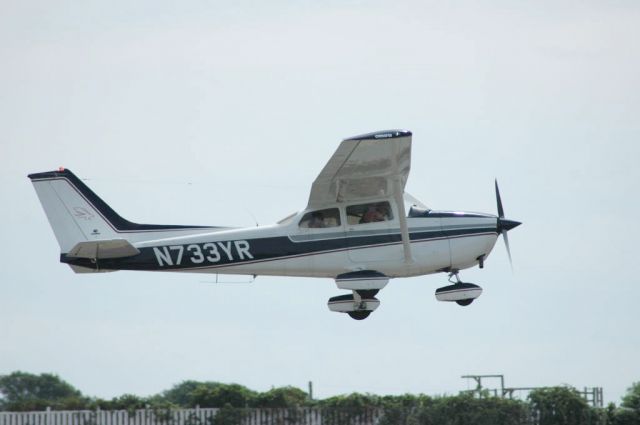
(384, 134)
(51, 174)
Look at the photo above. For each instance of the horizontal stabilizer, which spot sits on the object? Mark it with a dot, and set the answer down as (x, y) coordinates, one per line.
(80, 269)
(114, 248)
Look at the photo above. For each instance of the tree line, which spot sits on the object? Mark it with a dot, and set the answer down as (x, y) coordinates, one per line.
(563, 405)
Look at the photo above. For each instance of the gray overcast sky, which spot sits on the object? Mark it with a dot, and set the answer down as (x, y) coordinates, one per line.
(214, 112)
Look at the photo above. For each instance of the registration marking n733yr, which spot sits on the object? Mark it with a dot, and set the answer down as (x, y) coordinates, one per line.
(203, 253)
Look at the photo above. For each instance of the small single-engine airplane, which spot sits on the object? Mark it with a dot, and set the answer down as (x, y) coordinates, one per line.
(355, 229)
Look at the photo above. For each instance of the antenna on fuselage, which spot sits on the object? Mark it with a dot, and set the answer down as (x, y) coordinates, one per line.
(255, 220)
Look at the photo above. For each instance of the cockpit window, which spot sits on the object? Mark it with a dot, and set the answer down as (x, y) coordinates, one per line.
(320, 219)
(369, 213)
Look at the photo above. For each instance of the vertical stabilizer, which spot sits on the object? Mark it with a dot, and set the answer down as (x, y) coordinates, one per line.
(72, 217)
(78, 215)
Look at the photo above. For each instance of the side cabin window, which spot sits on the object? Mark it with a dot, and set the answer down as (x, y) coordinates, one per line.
(369, 213)
(320, 219)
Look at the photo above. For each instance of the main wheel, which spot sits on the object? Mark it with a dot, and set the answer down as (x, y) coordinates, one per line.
(465, 302)
(359, 315)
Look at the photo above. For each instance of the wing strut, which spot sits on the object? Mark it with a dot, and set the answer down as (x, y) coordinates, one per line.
(404, 229)
(398, 196)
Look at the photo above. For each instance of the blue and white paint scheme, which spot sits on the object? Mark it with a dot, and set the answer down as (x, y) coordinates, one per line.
(355, 229)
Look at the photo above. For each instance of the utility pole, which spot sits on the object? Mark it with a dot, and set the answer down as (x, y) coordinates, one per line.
(310, 390)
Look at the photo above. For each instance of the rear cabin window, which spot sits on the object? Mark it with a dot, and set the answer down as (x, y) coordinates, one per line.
(369, 213)
(321, 219)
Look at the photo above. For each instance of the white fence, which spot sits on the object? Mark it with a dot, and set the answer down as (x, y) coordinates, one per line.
(301, 416)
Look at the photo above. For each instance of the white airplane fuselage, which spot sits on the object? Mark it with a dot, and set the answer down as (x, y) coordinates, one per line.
(440, 241)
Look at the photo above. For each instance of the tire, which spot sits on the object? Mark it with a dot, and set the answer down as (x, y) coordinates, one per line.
(359, 315)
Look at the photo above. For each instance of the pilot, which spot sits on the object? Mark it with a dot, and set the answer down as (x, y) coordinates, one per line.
(374, 213)
(384, 210)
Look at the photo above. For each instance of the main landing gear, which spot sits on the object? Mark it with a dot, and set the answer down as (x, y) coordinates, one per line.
(463, 293)
(364, 285)
(358, 305)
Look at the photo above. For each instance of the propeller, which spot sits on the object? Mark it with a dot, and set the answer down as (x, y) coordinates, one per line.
(504, 225)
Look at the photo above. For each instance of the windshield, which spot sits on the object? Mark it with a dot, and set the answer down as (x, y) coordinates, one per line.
(287, 218)
(410, 201)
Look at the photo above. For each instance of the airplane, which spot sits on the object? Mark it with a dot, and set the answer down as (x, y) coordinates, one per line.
(355, 229)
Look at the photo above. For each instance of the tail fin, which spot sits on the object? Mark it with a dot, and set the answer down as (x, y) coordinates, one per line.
(72, 208)
(78, 215)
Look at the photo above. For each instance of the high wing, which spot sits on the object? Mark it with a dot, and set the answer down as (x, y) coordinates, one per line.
(374, 165)
(366, 166)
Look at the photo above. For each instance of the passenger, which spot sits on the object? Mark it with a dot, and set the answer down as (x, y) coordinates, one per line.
(317, 220)
(384, 210)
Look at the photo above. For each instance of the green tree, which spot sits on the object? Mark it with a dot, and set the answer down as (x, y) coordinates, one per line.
(21, 391)
(129, 402)
(465, 409)
(624, 417)
(559, 406)
(229, 415)
(631, 400)
(222, 394)
(629, 411)
(353, 401)
(348, 409)
(281, 397)
(182, 394)
(402, 409)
